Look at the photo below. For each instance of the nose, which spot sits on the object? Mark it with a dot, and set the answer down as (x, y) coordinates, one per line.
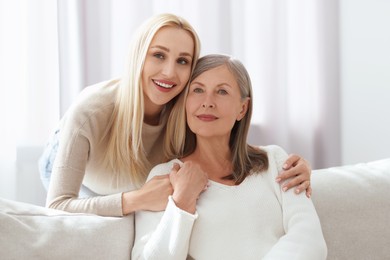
(204, 105)
(169, 68)
(208, 102)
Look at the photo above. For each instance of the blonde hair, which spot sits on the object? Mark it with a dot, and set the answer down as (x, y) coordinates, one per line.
(125, 152)
(180, 141)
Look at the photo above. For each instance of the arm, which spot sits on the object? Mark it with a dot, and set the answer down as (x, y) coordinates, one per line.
(166, 235)
(299, 170)
(68, 175)
(303, 237)
(80, 150)
(163, 235)
(151, 196)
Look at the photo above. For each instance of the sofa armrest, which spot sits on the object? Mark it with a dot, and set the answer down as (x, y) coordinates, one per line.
(33, 232)
(353, 204)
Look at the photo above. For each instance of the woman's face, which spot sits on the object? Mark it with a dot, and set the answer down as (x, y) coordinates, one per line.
(167, 66)
(214, 103)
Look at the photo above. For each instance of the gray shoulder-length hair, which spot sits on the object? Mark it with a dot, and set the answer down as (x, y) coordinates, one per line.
(181, 141)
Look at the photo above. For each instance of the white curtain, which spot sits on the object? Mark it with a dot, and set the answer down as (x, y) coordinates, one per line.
(54, 49)
(29, 85)
(289, 47)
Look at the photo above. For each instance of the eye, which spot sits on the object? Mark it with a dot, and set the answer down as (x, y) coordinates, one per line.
(159, 55)
(182, 61)
(222, 92)
(198, 90)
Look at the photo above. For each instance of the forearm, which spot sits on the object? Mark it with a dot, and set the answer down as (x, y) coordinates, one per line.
(163, 235)
(63, 195)
(109, 205)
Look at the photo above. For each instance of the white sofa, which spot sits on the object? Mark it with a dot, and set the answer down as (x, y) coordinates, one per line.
(353, 203)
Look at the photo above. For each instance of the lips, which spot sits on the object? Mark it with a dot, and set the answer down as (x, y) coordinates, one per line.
(164, 85)
(207, 118)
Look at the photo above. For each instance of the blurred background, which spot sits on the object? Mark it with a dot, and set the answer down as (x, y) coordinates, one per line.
(320, 71)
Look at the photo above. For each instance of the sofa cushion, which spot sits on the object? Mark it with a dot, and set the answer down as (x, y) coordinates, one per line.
(33, 232)
(353, 204)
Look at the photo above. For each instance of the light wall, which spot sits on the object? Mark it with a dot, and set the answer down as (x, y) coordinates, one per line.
(365, 99)
(365, 80)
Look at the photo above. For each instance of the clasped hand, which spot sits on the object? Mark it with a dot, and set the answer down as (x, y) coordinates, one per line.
(188, 182)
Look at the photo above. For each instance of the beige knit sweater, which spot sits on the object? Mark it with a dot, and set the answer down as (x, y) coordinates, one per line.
(81, 150)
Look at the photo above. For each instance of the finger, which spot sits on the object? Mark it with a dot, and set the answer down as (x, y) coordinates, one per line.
(291, 161)
(302, 187)
(309, 192)
(159, 177)
(175, 168)
(284, 175)
(292, 183)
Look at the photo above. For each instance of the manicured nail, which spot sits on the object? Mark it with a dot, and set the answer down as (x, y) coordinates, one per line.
(285, 166)
(284, 188)
(297, 191)
(278, 179)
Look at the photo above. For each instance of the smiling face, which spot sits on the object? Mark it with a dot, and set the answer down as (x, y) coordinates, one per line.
(214, 103)
(167, 67)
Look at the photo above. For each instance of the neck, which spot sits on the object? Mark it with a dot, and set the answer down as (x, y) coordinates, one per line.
(214, 157)
(152, 114)
(152, 119)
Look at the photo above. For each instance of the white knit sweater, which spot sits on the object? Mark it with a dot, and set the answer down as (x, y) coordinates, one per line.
(254, 220)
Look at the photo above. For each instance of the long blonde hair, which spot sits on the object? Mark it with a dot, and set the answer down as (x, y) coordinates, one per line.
(180, 141)
(125, 152)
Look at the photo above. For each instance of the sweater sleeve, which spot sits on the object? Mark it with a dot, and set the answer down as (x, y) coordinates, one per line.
(165, 234)
(303, 237)
(86, 118)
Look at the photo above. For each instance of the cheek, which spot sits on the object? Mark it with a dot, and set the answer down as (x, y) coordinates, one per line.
(191, 106)
(188, 107)
(233, 111)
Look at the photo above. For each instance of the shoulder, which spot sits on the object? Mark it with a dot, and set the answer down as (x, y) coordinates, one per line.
(276, 155)
(98, 95)
(162, 168)
(94, 103)
(273, 149)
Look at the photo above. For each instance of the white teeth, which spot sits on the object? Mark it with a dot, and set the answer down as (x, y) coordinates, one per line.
(164, 85)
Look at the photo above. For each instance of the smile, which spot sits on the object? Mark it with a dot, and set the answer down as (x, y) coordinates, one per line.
(207, 118)
(163, 85)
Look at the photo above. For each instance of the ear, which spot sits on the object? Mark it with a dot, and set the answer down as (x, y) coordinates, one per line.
(244, 109)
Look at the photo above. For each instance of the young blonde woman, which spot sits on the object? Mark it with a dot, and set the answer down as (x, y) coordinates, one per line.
(236, 210)
(113, 134)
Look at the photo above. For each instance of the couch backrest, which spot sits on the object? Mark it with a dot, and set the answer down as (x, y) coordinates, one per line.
(353, 204)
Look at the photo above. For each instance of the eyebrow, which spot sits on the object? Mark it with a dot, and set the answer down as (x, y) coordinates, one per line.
(219, 85)
(167, 50)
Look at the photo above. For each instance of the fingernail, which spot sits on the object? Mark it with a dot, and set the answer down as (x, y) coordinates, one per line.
(285, 166)
(297, 191)
(284, 188)
(278, 179)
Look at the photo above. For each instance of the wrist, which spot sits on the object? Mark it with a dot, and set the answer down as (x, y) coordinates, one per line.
(130, 203)
(185, 203)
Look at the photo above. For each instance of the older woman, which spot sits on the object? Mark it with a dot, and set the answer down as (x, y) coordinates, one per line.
(226, 203)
